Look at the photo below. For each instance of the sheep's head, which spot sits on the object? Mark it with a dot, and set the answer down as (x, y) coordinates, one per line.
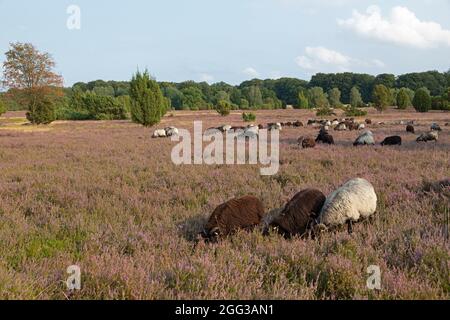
(319, 228)
(211, 236)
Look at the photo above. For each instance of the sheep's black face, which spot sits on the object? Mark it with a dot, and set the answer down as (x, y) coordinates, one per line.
(211, 236)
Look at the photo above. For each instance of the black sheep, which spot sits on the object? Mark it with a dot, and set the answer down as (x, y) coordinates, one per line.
(392, 141)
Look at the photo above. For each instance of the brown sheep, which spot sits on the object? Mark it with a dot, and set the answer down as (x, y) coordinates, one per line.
(352, 125)
(325, 137)
(308, 143)
(368, 121)
(298, 124)
(243, 213)
(299, 214)
(410, 128)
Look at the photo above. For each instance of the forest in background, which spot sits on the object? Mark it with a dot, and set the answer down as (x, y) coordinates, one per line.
(111, 99)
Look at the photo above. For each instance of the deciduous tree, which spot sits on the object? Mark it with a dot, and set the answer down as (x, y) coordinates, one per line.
(31, 79)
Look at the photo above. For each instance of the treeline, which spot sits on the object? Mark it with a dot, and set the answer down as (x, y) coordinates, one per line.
(106, 100)
(273, 94)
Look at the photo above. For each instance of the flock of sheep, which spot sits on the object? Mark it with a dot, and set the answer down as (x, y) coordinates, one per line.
(366, 138)
(308, 212)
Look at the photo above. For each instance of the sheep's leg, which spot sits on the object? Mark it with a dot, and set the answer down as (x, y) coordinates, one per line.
(350, 226)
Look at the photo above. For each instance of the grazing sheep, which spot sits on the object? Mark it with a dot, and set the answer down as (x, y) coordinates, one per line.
(237, 128)
(243, 213)
(225, 128)
(341, 127)
(447, 124)
(289, 124)
(430, 136)
(298, 124)
(368, 121)
(325, 137)
(352, 125)
(160, 133)
(435, 127)
(260, 126)
(311, 122)
(353, 201)
(410, 128)
(365, 139)
(299, 213)
(361, 126)
(308, 143)
(392, 141)
(335, 123)
(275, 126)
(437, 186)
(171, 131)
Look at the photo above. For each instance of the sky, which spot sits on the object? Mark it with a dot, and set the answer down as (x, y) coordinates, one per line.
(230, 40)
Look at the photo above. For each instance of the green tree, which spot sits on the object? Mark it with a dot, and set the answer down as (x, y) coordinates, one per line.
(193, 99)
(42, 110)
(303, 102)
(381, 96)
(30, 77)
(244, 105)
(223, 108)
(221, 95)
(355, 98)
(422, 100)
(403, 99)
(175, 96)
(254, 96)
(147, 101)
(386, 79)
(317, 98)
(334, 97)
(393, 92)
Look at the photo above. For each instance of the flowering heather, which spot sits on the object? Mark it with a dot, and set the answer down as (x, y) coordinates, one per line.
(106, 197)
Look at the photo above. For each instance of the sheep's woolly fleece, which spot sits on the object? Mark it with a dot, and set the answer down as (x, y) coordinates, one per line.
(355, 200)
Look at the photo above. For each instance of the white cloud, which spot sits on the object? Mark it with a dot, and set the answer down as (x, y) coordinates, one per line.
(323, 59)
(401, 27)
(251, 72)
(205, 77)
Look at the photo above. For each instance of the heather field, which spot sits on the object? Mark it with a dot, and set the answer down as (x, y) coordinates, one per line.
(107, 197)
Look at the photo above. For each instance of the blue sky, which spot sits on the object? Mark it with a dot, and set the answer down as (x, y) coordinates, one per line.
(232, 40)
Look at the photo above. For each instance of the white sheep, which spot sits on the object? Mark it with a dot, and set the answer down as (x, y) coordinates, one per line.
(161, 133)
(353, 201)
(171, 131)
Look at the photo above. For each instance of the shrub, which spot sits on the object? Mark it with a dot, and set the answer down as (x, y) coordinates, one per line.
(355, 112)
(223, 108)
(42, 110)
(324, 111)
(2, 107)
(248, 117)
(422, 100)
(147, 102)
(104, 107)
